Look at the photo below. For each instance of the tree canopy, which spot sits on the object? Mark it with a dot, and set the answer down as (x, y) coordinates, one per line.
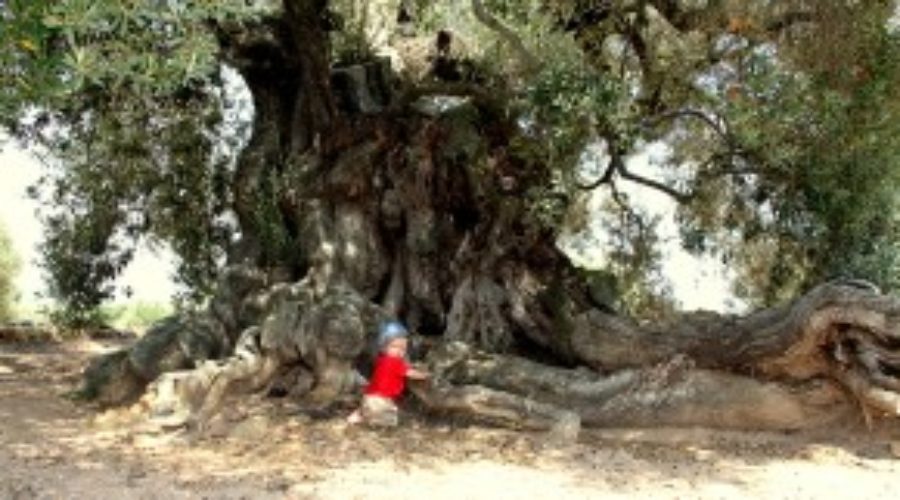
(783, 120)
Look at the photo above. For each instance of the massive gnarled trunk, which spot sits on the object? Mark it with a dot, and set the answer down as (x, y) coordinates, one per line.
(359, 200)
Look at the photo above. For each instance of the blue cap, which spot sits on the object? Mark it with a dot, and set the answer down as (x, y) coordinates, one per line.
(390, 330)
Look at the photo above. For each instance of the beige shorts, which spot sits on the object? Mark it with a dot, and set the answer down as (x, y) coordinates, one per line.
(379, 411)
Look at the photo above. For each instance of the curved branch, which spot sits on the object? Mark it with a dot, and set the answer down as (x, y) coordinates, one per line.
(606, 178)
(692, 113)
(531, 63)
(617, 165)
(654, 184)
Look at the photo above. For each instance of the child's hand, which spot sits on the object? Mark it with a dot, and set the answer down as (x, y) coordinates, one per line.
(417, 374)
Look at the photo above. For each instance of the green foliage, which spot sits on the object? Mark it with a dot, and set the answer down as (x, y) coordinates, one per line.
(277, 243)
(66, 55)
(125, 174)
(82, 261)
(127, 98)
(797, 186)
(563, 104)
(135, 316)
(349, 44)
(822, 163)
(9, 267)
(563, 108)
(634, 259)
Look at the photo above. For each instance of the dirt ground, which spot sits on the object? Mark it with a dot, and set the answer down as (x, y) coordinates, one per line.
(51, 447)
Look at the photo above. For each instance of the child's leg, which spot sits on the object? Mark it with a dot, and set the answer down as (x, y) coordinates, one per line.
(355, 417)
(378, 411)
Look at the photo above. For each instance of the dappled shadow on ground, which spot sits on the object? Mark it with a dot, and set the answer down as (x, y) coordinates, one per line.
(265, 448)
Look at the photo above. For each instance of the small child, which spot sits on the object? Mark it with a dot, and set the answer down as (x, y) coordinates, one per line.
(388, 378)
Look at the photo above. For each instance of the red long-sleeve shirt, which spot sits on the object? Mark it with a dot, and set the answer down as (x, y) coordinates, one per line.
(388, 377)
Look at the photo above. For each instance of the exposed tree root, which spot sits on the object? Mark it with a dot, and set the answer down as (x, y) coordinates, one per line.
(499, 408)
(193, 396)
(835, 342)
(672, 393)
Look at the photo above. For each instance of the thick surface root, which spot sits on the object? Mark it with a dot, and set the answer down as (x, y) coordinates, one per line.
(193, 396)
(844, 334)
(674, 393)
(500, 408)
(821, 359)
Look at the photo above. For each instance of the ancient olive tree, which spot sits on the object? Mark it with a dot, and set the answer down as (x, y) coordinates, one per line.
(420, 159)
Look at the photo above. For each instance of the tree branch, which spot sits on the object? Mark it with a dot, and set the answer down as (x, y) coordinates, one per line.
(692, 113)
(531, 63)
(654, 184)
(617, 165)
(607, 176)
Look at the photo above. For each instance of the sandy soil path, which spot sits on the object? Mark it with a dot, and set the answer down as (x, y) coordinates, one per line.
(53, 448)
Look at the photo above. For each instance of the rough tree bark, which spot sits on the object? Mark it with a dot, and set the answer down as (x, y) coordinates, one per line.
(386, 205)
